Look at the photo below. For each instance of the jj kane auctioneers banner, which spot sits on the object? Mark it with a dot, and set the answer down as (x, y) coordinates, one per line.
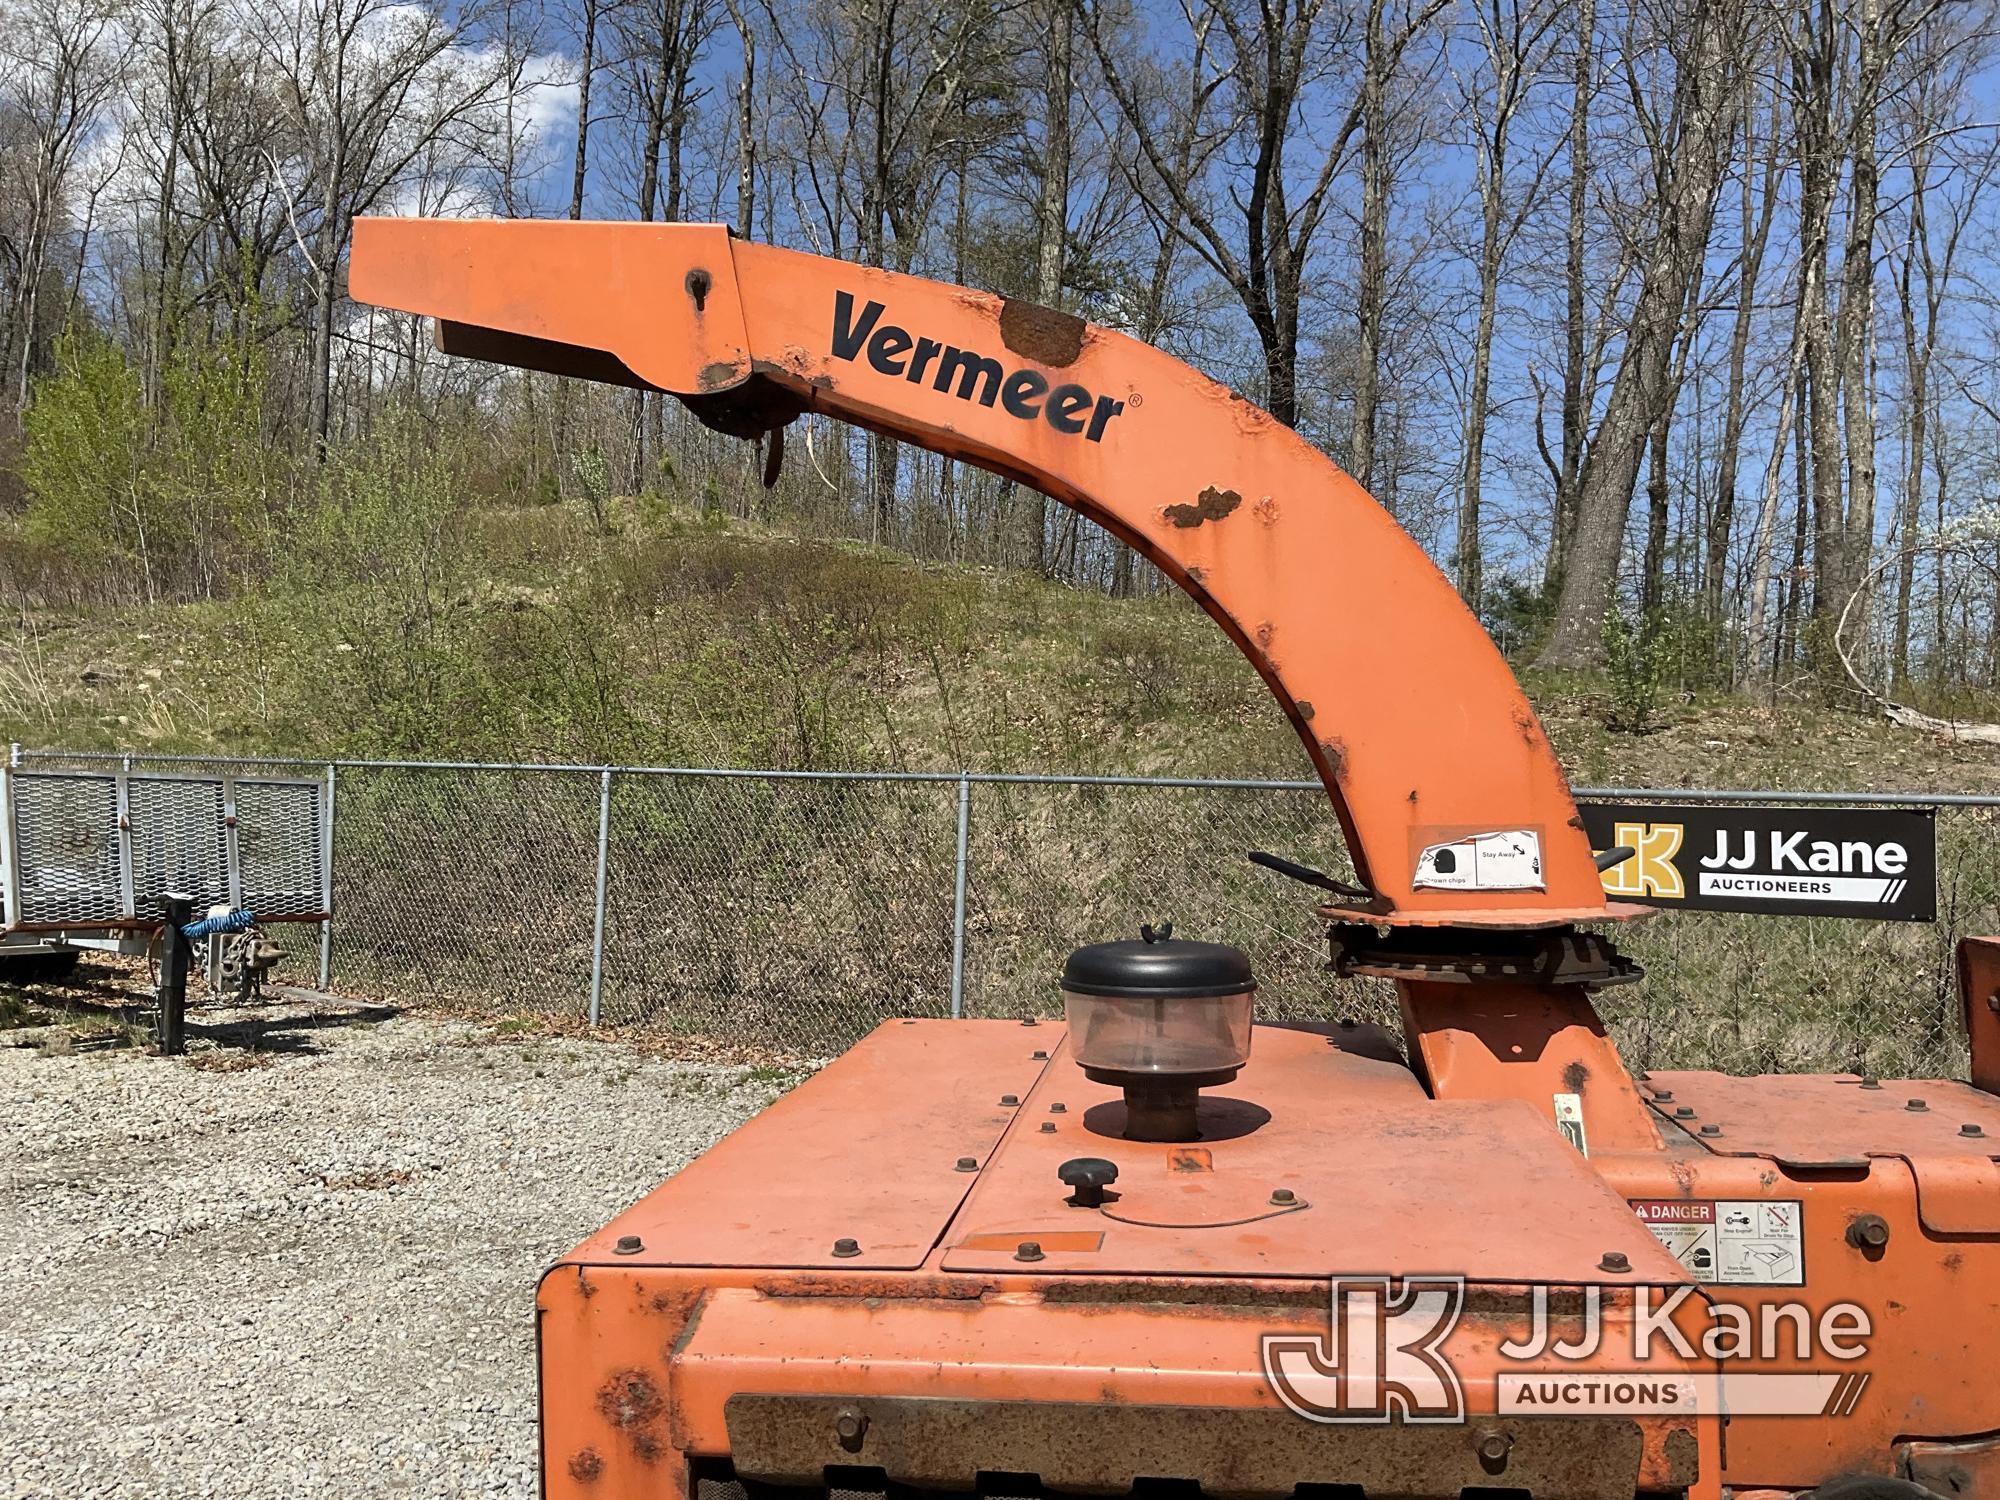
(1818, 861)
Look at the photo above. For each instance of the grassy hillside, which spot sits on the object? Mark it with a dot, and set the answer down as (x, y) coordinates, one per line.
(522, 634)
(527, 635)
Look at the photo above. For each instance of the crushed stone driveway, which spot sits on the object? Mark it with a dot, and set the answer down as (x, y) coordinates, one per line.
(301, 1260)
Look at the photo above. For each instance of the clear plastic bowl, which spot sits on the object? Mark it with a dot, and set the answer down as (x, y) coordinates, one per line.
(1167, 1037)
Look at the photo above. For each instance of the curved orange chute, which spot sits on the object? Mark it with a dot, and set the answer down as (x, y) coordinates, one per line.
(1412, 719)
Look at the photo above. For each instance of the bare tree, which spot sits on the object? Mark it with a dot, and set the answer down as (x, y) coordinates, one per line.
(62, 62)
(1516, 42)
(1268, 69)
(368, 87)
(1686, 147)
(1757, 208)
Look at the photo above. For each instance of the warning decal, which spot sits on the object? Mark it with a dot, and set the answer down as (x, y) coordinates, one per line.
(1731, 1242)
(1507, 861)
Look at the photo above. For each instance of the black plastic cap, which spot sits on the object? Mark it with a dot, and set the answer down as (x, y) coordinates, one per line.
(1162, 969)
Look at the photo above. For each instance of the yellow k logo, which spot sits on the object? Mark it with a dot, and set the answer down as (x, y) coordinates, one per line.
(1651, 871)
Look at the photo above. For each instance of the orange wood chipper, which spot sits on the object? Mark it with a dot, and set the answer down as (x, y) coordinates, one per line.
(1154, 1251)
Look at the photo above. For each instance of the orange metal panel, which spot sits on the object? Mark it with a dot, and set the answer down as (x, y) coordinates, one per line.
(638, 1365)
(1933, 1302)
(1511, 1041)
(620, 289)
(1409, 714)
(1499, 1195)
(866, 1150)
(1020, 1346)
(1948, 1132)
(1979, 997)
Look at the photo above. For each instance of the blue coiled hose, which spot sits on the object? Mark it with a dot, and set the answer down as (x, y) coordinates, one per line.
(234, 921)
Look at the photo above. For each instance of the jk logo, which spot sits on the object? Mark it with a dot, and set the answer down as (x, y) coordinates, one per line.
(1650, 872)
(1381, 1359)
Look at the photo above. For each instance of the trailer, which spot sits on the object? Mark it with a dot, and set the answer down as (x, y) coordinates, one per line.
(89, 861)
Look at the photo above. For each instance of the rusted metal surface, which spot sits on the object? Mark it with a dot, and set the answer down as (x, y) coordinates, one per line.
(1417, 721)
(702, 1337)
(1979, 1000)
(1102, 1449)
(1019, 1348)
(1563, 955)
(1352, 1137)
(866, 1150)
(1956, 1471)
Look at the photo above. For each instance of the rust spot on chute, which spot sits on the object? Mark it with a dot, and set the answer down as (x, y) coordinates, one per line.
(1041, 333)
(1211, 504)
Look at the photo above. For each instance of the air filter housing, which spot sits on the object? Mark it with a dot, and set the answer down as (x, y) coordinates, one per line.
(1162, 1020)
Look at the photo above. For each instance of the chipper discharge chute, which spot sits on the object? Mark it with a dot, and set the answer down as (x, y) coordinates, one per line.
(1158, 1250)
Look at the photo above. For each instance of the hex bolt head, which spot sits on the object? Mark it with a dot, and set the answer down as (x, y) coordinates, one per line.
(1868, 1232)
(1040, 1055)
(1663, 1095)
(1615, 1260)
(1870, 1081)
(1970, 1130)
(1347, 1023)
(1031, 1021)
(1059, 1109)
(1010, 1099)
(1284, 1197)
(1711, 1130)
(848, 1425)
(846, 1247)
(1916, 1106)
(968, 1164)
(1048, 1127)
(628, 1244)
(1029, 1250)
(1493, 1446)
(1684, 1112)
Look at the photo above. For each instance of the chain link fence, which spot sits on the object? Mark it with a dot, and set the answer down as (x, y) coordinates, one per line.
(798, 909)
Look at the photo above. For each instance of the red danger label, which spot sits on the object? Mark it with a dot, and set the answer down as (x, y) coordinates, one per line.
(1673, 1210)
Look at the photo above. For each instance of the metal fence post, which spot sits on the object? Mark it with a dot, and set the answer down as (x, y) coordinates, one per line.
(603, 869)
(326, 880)
(958, 900)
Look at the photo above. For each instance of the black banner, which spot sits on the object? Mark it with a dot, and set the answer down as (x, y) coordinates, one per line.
(1784, 861)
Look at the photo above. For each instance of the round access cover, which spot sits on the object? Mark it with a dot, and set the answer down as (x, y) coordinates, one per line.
(1158, 967)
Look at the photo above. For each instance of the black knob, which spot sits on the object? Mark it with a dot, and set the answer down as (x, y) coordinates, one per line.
(1087, 1177)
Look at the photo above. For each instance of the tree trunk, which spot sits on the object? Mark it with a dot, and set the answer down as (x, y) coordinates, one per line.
(1371, 292)
(586, 71)
(1053, 221)
(1756, 230)
(1856, 341)
(1705, 98)
(1575, 399)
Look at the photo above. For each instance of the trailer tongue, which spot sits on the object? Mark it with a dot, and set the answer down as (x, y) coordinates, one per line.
(1156, 1250)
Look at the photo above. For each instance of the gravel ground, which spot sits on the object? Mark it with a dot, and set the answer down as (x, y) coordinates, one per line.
(301, 1260)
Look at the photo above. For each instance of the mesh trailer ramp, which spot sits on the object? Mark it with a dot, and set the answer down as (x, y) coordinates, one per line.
(88, 858)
